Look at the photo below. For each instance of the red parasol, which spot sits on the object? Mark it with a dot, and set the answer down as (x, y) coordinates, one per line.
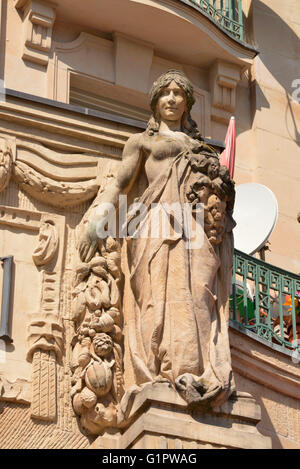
(228, 156)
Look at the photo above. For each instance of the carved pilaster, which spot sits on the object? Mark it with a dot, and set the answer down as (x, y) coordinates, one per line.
(43, 384)
(224, 78)
(45, 331)
(38, 20)
(45, 328)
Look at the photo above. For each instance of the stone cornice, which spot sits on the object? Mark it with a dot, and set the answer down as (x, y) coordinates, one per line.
(100, 133)
(264, 365)
(45, 121)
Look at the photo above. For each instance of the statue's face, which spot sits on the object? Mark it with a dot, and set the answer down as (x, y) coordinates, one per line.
(171, 103)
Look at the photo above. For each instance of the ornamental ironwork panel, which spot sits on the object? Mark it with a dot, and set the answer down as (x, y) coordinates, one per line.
(228, 14)
(266, 300)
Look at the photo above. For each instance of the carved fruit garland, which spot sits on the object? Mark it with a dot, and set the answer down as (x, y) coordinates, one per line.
(50, 191)
(213, 188)
(97, 355)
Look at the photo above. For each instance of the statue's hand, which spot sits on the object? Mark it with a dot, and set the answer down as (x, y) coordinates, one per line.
(87, 245)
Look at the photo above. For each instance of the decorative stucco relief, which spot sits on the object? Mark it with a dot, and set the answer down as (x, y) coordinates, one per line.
(45, 328)
(53, 177)
(224, 78)
(6, 161)
(48, 244)
(38, 21)
(17, 391)
(97, 364)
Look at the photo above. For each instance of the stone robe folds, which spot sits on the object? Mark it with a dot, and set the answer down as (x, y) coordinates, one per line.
(178, 310)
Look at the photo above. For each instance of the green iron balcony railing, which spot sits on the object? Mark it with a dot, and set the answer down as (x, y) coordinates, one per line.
(228, 14)
(266, 300)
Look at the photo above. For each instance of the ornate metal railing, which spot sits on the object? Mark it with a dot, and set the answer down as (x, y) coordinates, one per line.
(228, 14)
(266, 300)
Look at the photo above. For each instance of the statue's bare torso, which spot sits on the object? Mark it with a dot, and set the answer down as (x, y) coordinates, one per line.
(159, 150)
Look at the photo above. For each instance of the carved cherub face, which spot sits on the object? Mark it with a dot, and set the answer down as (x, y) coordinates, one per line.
(215, 205)
(103, 344)
(213, 168)
(171, 103)
(224, 174)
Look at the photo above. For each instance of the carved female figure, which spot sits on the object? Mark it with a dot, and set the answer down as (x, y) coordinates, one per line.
(176, 297)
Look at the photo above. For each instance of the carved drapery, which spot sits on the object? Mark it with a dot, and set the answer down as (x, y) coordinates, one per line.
(55, 178)
(53, 192)
(52, 177)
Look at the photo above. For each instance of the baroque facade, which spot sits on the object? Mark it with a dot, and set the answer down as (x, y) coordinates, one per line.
(76, 80)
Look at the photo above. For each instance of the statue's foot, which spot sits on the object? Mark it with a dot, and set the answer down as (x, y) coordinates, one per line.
(197, 391)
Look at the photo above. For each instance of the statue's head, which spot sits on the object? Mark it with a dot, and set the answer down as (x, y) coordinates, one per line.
(164, 81)
(173, 79)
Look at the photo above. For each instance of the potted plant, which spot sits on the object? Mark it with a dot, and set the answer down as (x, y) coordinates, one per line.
(290, 319)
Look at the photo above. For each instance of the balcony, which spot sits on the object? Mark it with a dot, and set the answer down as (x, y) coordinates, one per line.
(265, 301)
(198, 32)
(228, 14)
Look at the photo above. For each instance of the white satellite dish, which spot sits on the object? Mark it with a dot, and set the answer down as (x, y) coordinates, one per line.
(255, 213)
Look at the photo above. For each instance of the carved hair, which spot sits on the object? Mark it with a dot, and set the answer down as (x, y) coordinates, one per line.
(188, 125)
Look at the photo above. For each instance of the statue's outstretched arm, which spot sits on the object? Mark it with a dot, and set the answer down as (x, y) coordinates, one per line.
(121, 183)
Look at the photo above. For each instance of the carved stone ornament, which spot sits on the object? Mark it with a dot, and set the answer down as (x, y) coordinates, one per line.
(53, 192)
(6, 160)
(16, 391)
(53, 177)
(38, 19)
(97, 355)
(47, 244)
(45, 343)
(224, 78)
(175, 296)
(45, 329)
(45, 333)
(45, 348)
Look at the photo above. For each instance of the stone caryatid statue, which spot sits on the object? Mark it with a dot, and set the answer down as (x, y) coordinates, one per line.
(176, 292)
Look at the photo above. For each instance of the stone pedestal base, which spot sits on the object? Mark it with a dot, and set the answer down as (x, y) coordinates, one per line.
(160, 419)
